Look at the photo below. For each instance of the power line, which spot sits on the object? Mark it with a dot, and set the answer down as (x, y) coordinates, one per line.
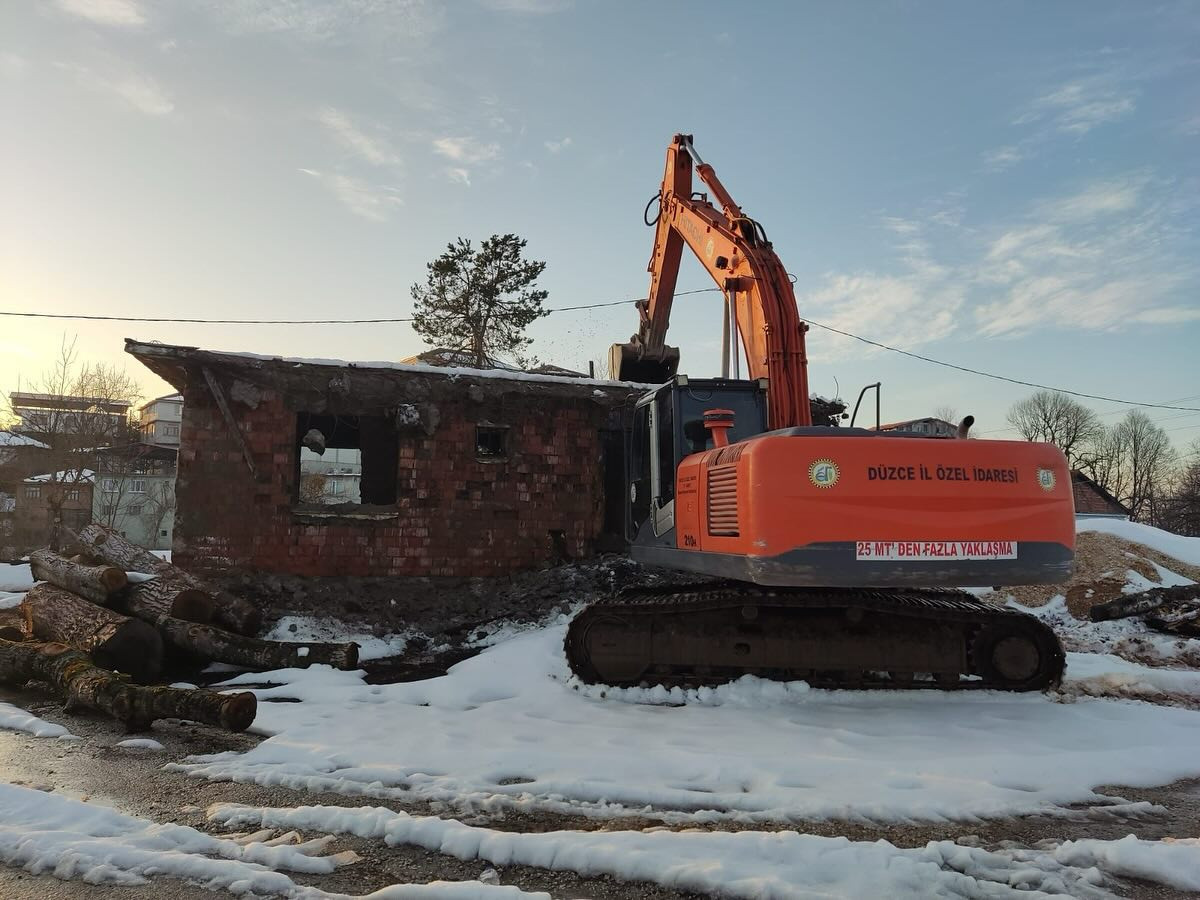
(1033, 384)
(398, 320)
(381, 321)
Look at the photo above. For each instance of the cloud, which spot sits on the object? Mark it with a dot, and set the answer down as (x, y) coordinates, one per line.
(327, 20)
(558, 146)
(917, 305)
(1002, 158)
(1078, 106)
(1102, 198)
(135, 88)
(459, 175)
(1103, 257)
(535, 7)
(13, 65)
(122, 13)
(466, 150)
(369, 201)
(1113, 253)
(374, 150)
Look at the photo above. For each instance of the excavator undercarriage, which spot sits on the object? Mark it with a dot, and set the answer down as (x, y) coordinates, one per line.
(896, 638)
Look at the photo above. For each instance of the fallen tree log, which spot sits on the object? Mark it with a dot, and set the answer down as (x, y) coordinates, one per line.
(1129, 605)
(148, 600)
(81, 683)
(230, 612)
(1180, 623)
(95, 583)
(114, 641)
(223, 646)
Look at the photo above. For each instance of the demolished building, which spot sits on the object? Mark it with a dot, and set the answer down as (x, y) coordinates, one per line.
(463, 472)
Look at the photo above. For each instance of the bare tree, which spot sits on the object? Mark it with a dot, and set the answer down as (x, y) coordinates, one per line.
(1180, 511)
(946, 413)
(159, 506)
(1057, 419)
(82, 406)
(1134, 461)
(312, 487)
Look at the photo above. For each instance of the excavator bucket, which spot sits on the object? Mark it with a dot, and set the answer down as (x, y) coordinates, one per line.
(633, 362)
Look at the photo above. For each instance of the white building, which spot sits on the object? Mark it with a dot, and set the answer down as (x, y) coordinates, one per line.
(134, 493)
(159, 420)
(332, 477)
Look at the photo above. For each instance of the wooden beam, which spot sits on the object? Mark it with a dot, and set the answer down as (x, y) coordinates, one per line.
(219, 395)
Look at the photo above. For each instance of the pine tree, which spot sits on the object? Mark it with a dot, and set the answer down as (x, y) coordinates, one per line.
(480, 301)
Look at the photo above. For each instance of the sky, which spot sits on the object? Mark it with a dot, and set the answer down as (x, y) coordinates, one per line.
(1010, 187)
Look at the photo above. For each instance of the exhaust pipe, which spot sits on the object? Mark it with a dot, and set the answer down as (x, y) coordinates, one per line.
(965, 426)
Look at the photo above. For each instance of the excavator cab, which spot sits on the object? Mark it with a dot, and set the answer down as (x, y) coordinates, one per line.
(668, 425)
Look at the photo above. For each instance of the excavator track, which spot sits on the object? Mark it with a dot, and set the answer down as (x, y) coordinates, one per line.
(856, 638)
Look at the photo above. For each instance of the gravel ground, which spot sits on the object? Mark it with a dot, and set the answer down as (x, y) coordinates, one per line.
(133, 781)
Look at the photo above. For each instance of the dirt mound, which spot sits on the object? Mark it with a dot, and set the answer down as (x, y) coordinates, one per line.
(1102, 566)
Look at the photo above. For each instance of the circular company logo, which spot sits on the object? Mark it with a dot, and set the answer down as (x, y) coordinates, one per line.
(824, 473)
(1046, 479)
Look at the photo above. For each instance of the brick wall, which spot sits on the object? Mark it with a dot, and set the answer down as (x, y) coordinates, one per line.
(455, 514)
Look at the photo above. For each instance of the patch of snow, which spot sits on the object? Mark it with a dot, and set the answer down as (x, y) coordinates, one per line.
(47, 833)
(1185, 549)
(67, 476)
(509, 730)
(302, 652)
(1124, 637)
(451, 372)
(11, 439)
(1100, 675)
(141, 744)
(15, 577)
(10, 601)
(302, 629)
(16, 719)
(139, 577)
(162, 554)
(757, 865)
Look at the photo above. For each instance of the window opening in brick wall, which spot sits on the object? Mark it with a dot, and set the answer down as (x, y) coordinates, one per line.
(135, 510)
(491, 441)
(73, 494)
(375, 439)
(33, 492)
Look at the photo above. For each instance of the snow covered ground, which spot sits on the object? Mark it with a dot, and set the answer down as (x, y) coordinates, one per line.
(764, 865)
(1185, 549)
(510, 730)
(308, 628)
(53, 834)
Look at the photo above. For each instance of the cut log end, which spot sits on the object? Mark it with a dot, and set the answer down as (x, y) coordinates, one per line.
(113, 578)
(136, 649)
(238, 711)
(11, 633)
(237, 615)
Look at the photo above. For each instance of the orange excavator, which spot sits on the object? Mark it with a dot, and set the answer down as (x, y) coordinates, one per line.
(834, 555)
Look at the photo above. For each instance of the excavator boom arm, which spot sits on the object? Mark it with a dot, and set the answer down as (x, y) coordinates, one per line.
(735, 252)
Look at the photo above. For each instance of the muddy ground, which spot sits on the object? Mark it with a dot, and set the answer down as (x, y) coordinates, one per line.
(133, 781)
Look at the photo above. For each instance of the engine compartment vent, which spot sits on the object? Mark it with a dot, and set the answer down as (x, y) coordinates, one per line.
(723, 501)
